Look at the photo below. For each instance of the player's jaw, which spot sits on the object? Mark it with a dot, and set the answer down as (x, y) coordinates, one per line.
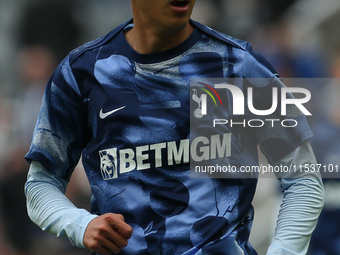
(163, 14)
(180, 10)
(176, 15)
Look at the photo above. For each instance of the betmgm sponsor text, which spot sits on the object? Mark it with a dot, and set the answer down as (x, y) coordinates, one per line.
(116, 162)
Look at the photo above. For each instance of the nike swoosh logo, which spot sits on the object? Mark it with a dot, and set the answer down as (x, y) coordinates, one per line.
(106, 114)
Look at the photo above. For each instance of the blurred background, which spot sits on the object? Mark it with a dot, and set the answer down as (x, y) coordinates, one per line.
(300, 38)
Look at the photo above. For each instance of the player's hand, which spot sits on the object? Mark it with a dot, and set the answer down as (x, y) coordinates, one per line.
(107, 233)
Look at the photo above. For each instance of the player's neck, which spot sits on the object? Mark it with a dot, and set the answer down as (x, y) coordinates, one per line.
(146, 41)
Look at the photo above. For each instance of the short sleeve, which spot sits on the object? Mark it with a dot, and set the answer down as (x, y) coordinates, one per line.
(59, 135)
(281, 132)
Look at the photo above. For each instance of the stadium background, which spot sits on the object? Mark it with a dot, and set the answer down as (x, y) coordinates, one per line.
(299, 37)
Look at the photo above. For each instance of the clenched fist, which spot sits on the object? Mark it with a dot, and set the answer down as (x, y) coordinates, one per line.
(107, 233)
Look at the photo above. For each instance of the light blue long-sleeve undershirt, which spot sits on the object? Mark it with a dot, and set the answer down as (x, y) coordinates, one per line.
(302, 203)
(50, 209)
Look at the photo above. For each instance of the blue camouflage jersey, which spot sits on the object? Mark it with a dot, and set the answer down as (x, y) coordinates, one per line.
(128, 115)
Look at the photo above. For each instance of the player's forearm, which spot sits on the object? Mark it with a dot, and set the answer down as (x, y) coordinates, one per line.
(50, 209)
(300, 208)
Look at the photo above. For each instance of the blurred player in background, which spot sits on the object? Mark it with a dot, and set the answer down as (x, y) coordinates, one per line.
(42, 44)
(123, 103)
(325, 239)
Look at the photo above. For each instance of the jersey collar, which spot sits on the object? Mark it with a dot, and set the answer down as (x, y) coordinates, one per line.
(130, 53)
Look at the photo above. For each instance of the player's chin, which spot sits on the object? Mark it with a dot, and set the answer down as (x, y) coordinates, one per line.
(178, 22)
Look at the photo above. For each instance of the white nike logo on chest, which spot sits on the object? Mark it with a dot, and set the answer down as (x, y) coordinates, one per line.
(103, 115)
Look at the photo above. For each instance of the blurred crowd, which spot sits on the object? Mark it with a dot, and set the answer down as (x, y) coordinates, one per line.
(299, 37)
